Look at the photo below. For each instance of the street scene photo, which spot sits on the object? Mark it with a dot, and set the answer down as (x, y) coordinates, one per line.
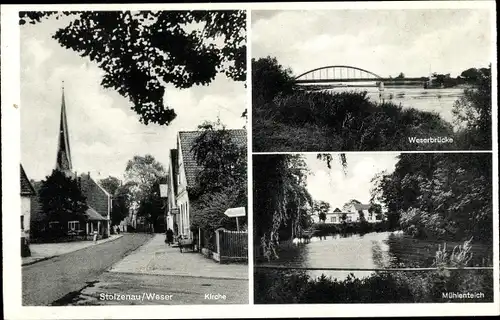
(133, 158)
(372, 80)
(373, 228)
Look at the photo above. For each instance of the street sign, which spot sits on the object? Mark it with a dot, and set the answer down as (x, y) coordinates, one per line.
(235, 212)
(163, 190)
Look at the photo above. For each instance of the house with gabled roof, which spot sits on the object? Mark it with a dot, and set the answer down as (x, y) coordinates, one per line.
(187, 170)
(27, 192)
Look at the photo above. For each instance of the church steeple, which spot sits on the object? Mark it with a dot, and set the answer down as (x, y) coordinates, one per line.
(63, 161)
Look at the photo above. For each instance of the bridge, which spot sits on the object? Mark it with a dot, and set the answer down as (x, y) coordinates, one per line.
(350, 74)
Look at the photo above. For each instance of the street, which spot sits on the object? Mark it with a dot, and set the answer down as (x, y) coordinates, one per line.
(133, 270)
(49, 280)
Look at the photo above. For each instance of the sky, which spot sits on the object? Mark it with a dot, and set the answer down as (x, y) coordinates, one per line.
(104, 132)
(386, 42)
(338, 187)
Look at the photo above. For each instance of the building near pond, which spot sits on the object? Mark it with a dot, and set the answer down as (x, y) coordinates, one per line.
(352, 214)
(99, 201)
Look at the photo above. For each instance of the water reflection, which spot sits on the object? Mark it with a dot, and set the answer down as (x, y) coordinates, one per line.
(371, 250)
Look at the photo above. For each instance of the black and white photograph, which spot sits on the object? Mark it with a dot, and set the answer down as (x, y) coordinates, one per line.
(373, 228)
(372, 80)
(133, 157)
(249, 160)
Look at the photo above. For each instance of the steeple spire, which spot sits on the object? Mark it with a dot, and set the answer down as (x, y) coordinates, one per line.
(63, 161)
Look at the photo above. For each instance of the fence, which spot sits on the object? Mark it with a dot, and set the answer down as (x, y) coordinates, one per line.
(232, 245)
(225, 245)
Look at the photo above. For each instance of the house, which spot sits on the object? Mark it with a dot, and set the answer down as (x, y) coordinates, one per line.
(172, 212)
(365, 209)
(27, 192)
(99, 201)
(187, 169)
(351, 214)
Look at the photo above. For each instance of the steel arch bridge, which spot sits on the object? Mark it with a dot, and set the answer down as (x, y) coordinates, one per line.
(337, 73)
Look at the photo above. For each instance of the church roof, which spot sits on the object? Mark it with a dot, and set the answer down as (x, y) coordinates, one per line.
(63, 161)
(187, 139)
(26, 186)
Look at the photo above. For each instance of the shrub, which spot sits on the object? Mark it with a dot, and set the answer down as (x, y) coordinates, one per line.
(341, 121)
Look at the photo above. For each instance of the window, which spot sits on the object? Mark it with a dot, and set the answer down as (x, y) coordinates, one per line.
(53, 224)
(73, 225)
(333, 219)
(349, 218)
(22, 222)
(370, 216)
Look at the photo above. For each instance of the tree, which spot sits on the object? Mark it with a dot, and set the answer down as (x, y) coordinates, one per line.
(110, 184)
(376, 208)
(441, 196)
(400, 76)
(143, 174)
(321, 208)
(348, 204)
(222, 182)
(471, 75)
(269, 78)
(473, 111)
(121, 203)
(62, 199)
(142, 51)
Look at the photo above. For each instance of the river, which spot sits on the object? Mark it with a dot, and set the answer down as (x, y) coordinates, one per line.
(371, 250)
(434, 100)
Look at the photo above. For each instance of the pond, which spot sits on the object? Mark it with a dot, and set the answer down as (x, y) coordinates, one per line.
(371, 250)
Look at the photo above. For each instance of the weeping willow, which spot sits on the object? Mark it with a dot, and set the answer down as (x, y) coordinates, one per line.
(280, 197)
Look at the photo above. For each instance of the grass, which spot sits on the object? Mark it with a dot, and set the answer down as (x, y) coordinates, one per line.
(325, 121)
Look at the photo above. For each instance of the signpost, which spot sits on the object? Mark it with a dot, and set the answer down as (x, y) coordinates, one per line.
(235, 213)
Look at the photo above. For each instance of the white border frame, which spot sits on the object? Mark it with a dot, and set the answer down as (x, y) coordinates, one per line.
(11, 200)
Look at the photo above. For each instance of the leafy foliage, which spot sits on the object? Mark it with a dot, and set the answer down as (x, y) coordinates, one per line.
(321, 208)
(141, 51)
(110, 184)
(277, 287)
(441, 196)
(143, 175)
(280, 198)
(62, 199)
(121, 203)
(222, 182)
(473, 112)
(269, 79)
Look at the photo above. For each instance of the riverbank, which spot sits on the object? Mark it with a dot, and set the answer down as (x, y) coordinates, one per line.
(278, 286)
(345, 121)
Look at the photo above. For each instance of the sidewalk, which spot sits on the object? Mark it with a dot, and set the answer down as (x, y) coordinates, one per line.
(157, 258)
(44, 251)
